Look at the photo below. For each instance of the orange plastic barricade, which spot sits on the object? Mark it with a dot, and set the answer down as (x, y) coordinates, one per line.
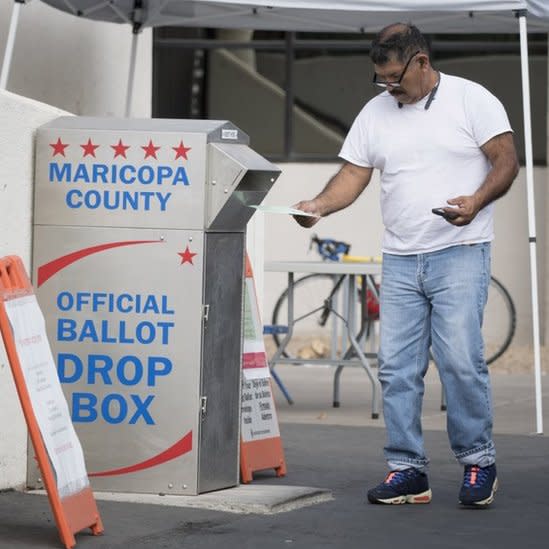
(260, 441)
(57, 449)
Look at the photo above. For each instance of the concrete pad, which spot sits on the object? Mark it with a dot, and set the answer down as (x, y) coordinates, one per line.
(243, 499)
(342, 460)
(311, 387)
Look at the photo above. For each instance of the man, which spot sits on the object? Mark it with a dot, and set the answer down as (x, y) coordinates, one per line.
(441, 143)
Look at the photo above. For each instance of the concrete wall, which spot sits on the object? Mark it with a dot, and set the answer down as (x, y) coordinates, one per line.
(75, 64)
(361, 226)
(338, 87)
(237, 92)
(19, 118)
(59, 62)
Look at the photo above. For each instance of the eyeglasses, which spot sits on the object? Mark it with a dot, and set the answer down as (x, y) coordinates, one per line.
(396, 83)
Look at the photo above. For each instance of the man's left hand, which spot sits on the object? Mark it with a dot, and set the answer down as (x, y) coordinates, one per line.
(467, 207)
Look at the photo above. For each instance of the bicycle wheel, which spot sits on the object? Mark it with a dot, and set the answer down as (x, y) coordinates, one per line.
(500, 321)
(310, 338)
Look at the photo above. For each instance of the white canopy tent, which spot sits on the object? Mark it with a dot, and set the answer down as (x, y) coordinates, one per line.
(360, 16)
(452, 16)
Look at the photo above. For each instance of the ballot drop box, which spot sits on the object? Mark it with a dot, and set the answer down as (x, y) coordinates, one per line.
(138, 263)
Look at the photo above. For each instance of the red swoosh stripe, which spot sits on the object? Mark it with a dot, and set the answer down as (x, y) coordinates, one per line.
(178, 449)
(49, 269)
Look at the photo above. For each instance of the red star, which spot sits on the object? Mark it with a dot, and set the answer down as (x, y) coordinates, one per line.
(120, 149)
(150, 149)
(59, 147)
(89, 148)
(181, 151)
(187, 256)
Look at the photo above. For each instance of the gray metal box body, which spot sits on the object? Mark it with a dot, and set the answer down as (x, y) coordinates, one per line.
(138, 267)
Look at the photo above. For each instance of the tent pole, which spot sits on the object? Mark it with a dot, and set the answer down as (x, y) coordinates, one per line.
(531, 213)
(8, 53)
(131, 73)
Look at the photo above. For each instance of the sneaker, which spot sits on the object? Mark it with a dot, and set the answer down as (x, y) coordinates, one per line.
(407, 486)
(479, 485)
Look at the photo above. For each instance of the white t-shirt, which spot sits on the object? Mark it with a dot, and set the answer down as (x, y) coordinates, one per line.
(425, 158)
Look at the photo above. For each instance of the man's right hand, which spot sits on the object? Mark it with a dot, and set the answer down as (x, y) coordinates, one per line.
(310, 207)
(341, 191)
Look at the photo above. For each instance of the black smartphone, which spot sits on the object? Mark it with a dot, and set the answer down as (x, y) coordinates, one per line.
(447, 215)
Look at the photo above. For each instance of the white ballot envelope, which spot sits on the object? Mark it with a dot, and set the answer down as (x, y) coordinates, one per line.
(286, 210)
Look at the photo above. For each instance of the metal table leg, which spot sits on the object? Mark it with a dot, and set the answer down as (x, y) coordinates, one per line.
(282, 347)
(350, 328)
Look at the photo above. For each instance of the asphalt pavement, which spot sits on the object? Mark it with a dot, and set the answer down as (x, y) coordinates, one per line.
(333, 455)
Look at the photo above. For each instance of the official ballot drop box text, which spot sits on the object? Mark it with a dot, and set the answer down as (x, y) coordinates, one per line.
(138, 254)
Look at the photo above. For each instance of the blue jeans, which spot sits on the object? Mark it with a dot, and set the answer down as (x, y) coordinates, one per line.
(435, 300)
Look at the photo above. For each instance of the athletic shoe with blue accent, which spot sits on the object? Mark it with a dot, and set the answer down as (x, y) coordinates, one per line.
(479, 485)
(407, 486)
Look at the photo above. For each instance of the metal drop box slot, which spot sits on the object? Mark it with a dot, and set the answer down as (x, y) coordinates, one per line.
(138, 254)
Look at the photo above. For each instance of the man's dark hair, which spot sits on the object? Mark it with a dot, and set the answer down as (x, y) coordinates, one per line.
(398, 41)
